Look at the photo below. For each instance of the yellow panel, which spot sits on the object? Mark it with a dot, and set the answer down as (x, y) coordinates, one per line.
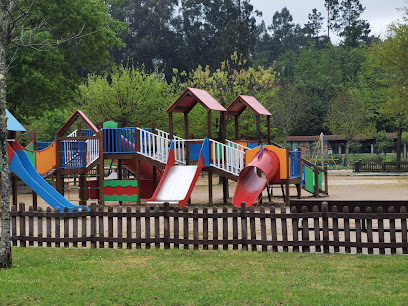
(282, 155)
(46, 159)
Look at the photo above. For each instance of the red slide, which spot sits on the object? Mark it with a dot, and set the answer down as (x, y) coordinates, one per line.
(250, 185)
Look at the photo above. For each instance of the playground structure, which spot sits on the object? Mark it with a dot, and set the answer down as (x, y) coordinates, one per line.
(160, 160)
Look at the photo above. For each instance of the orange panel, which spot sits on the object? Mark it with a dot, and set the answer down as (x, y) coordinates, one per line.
(250, 154)
(46, 159)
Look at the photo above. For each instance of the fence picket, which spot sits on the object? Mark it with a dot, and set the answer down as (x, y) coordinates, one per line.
(110, 226)
(305, 230)
(381, 230)
(295, 230)
(215, 228)
(252, 228)
(369, 230)
(30, 226)
(120, 227)
(101, 227)
(156, 227)
(403, 210)
(391, 210)
(284, 229)
(274, 232)
(358, 231)
(40, 227)
(21, 208)
(205, 228)
(57, 227)
(346, 229)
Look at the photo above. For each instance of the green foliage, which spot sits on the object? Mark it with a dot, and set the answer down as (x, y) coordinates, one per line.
(126, 94)
(225, 84)
(66, 38)
(383, 142)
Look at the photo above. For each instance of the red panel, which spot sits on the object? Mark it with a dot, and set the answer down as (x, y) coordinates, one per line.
(108, 191)
(241, 102)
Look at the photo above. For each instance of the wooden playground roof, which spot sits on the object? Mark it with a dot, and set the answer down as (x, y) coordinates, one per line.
(73, 118)
(242, 102)
(190, 97)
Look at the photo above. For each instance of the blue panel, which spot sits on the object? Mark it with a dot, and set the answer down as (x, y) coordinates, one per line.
(252, 145)
(206, 152)
(13, 124)
(195, 149)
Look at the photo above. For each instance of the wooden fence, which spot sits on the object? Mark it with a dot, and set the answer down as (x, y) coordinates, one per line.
(266, 229)
(380, 167)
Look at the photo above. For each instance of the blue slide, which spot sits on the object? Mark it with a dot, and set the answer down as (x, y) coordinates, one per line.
(21, 166)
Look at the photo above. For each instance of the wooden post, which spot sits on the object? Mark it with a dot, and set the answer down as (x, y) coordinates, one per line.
(82, 176)
(210, 188)
(14, 188)
(287, 196)
(171, 125)
(258, 128)
(34, 140)
(138, 162)
(186, 136)
(268, 121)
(316, 186)
(236, 128)
(225, 193)
(59, 180)
(101, 170)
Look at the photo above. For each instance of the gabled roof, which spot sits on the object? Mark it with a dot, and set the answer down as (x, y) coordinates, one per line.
(242, 102)
(73, 118)
(13, 124)
(190, 97)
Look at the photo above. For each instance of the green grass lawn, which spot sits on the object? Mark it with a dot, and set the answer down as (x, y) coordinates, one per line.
(84, 276)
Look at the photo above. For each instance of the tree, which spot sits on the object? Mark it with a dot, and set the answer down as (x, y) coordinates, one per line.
(347, 116)
(45, 68)
(126, 94)
(393, 60)
(354, 30)
(31, 24)
(150, 33)
(383, 142)
(226, 83)
(314, 25)
(290, 106)
(332, 7)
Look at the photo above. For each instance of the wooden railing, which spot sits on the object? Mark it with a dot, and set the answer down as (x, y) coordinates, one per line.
(268, 229)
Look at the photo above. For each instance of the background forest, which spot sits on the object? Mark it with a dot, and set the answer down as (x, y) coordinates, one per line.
(139, 55)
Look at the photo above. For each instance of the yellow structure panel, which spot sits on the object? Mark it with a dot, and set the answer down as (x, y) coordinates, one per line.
(282, 155)
(46, 159)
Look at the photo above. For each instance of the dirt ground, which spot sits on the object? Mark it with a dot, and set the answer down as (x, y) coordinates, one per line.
(342, 185)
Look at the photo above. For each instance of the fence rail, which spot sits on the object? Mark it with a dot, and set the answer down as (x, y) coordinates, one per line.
(266, 229)
(380, 167)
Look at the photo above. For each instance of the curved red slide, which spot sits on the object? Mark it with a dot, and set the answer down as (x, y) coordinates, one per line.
(250, 185)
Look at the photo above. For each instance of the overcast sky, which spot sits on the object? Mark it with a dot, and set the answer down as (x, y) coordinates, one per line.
(379, 13)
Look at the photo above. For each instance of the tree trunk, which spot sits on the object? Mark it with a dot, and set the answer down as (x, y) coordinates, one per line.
(5, 245)
(399, 136)
(346, 158)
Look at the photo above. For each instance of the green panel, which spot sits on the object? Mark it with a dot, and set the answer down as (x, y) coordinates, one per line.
(31, 156)
(121, 198)
(320, 180)
(110, 125)
(309, 178)
(120, 183)
(31, 147)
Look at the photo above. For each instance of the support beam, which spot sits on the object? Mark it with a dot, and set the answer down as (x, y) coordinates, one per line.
(101, 170)
(186, 136)
(236, 127)
(258, 129)
(171, 125)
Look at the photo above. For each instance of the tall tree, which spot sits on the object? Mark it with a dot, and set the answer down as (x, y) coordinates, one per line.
(41, 25)
(393, 60)
(332, 8)
(150, 32)
(315, 24)
(347, 115)
(354, 30)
